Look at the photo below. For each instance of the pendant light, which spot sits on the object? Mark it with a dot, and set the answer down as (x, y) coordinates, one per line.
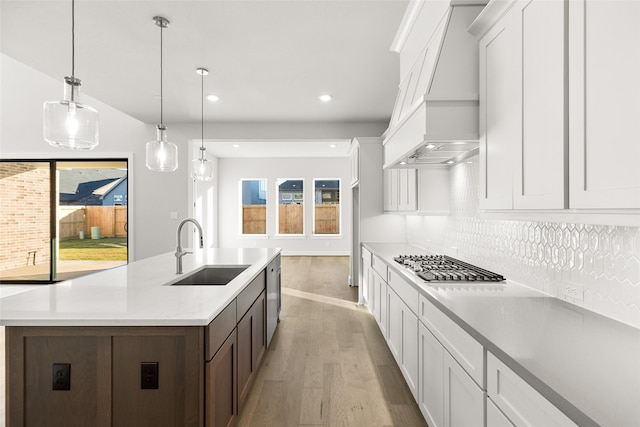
(69, 123)
(162, 156)
(202, 168)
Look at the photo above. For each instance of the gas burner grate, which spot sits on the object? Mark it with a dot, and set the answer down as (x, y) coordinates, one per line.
(443, 268)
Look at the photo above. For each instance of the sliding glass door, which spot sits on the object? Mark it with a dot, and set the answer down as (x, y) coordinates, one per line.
(61, 219)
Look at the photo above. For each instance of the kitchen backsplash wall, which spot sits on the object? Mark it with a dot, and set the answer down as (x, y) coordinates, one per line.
(603, 261)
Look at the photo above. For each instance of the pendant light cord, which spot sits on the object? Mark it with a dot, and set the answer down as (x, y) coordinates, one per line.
(161, 97)
(73, 46)
(202, 115)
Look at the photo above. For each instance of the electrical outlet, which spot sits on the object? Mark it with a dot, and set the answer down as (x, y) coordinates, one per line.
(61, 376)
(149, 375)
(574, 291)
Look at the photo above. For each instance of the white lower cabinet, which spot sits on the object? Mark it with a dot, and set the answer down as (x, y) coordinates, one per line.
(495, 418)
(448, 396)
(402, 338)
(380, 302)
(367, 277)
(463, 399)
(519, 402)
(430, 377)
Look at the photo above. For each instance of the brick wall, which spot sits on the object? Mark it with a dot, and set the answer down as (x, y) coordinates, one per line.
(24, 214)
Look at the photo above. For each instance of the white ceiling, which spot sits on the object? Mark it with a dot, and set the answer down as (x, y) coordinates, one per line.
(269, 60)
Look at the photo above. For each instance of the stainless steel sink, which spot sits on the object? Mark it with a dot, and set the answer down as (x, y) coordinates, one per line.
(211, 276)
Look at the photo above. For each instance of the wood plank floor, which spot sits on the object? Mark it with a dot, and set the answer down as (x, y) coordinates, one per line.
(328, 364)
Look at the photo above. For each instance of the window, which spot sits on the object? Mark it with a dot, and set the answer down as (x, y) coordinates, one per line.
(61, 219)
(290, 206)
(326, 206)
(254, 206)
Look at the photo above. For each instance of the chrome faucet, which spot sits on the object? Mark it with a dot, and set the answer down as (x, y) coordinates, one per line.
(179, 252)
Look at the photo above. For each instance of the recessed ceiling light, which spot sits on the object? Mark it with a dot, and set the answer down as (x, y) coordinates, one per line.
(325, 98)
(429, 146)
(236, 146)
(403, 162)
(332, 145)
(213, 98)
(450, 162)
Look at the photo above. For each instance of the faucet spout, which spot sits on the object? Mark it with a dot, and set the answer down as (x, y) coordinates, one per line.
(179, 251)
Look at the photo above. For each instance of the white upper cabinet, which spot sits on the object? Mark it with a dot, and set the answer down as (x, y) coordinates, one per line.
(559, 105)
(400, 190)
(499, 114)
(522, 109)
(604, 104)
(540, 150)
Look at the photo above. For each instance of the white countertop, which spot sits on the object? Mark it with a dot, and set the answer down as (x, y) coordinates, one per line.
(136, 294)
(586, 364)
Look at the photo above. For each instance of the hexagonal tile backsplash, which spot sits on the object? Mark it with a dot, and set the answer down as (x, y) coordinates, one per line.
(603, 259)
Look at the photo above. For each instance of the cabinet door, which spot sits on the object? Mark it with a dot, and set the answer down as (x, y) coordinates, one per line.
(407, 190)
(31, 401)
(604, 104)
(180, 371)
(499, 113)
(495, 418)
(375, 301)
(221, 385)
(541, 148)
(430, 377)
(523, 405)
(251, 347)
(382, 307)
(366, 277)
(394, 333)
(409, 349)
(463, 399)
(390, 190)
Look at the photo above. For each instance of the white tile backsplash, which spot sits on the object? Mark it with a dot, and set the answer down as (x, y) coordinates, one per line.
(558, 258)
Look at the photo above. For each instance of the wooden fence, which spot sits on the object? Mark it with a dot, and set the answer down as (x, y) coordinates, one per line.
(111, 220)
(327, 219)
(290, 219)
(254, 219)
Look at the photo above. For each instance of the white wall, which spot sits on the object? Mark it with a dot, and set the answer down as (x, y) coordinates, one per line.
(231, 171)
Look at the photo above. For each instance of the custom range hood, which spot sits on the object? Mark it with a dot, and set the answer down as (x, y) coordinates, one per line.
(435, 118)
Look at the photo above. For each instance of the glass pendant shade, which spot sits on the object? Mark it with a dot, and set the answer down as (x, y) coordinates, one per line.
(69, 123)
(202, 167)
(162, 156)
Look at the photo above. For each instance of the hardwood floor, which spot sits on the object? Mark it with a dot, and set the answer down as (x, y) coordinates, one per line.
(328, 364)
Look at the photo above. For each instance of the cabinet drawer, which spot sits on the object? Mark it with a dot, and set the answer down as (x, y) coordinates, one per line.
(379, 266)
(249, 294)
(463, 347)
(518, 400)
(405, 291)
(219, 329)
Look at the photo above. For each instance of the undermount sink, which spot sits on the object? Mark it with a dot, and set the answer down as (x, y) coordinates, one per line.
(211, 276)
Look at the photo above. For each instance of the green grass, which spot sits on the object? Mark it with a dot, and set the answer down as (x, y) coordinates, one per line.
(107, 249)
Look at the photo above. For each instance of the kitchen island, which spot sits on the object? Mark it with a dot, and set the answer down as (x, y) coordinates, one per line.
(539, 358)
(125, 347)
